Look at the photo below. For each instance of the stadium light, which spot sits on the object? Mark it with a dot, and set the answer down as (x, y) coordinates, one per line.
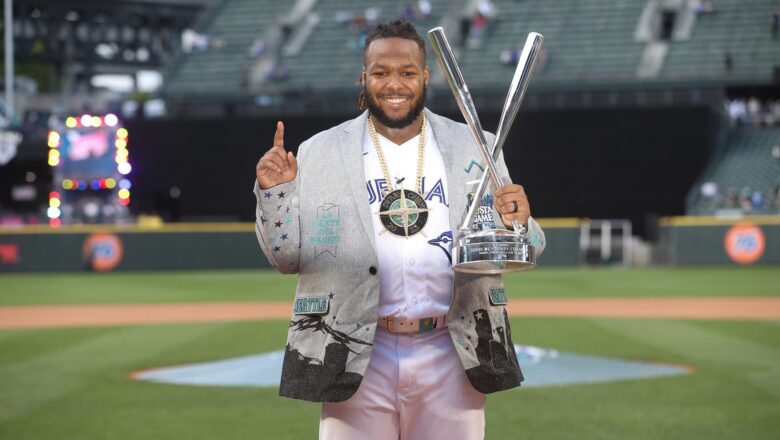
(111, 120)
(54, 158)
(124, 168)
(53, 212)
(54, 139)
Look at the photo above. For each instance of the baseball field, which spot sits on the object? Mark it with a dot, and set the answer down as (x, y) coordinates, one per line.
(69, 344)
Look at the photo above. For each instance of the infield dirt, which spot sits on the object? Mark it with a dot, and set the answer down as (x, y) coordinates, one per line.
(12, 317)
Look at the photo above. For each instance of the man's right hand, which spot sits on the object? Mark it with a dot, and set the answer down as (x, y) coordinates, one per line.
(277, 166)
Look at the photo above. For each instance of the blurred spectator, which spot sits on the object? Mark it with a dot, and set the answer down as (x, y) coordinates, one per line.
(424, 8)
(754, 110)
(478, 26)
(407, 13)
(344, 17)
(776, 111)
(736, 110)
(355, 44)
(703, 7)
(258, 48)
(744, 200)
(709, 189)
(192, 41)
(731, 199)
(465, 30)
(757, 201)
(487, 9)
(372, 16)
(775, 22)
(359, 24)
(728, 61)
(776, 196)
(286, 31)
(279, 73)
(509, 57)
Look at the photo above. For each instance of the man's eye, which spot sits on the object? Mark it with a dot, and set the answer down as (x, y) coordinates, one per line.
(408, 74)
(380, 74)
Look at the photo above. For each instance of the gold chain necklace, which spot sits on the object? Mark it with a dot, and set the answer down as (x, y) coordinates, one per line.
(402, 212)
(380, 155)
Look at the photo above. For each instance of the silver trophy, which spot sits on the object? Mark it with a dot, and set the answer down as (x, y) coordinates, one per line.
(495, 250)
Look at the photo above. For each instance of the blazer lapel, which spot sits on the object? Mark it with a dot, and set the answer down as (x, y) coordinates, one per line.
(351, 146)
(451, 149)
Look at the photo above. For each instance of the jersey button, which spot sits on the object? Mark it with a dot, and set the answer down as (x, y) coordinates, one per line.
(372, 270)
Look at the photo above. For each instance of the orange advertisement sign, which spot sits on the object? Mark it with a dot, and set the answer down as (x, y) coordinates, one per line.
(744, 243)
(102, 251)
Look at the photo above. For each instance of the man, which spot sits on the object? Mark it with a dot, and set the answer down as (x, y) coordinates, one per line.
(383, 332)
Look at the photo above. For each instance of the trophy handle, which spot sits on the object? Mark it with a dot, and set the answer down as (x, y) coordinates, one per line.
(514, 98)
(449, 66)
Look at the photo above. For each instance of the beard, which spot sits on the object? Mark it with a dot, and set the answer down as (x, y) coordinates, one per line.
(387, 121)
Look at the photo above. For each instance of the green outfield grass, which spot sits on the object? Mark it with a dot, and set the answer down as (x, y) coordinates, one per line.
(74, 383)
(259, 285)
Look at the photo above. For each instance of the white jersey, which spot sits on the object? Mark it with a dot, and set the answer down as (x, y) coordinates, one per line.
(415, 273)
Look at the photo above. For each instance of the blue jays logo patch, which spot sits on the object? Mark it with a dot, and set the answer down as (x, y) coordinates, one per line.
(443, 242)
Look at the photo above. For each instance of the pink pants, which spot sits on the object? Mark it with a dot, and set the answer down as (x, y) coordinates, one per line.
(414, 389)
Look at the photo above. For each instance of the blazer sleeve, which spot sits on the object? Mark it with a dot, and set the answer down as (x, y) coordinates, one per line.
(277, 223)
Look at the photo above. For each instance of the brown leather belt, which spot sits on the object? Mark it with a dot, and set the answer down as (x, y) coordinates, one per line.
(406, 326)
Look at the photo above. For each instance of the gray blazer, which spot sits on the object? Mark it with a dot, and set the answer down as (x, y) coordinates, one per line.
(319, 225)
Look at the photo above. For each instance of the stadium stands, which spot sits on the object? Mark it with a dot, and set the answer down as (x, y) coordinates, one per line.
(740, 27)
(745, 167)
(589, 41)
(332, 57)
(586, 43)
(237, 23)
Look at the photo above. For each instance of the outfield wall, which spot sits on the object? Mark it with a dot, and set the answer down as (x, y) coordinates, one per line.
(712, 240)
(183, 246)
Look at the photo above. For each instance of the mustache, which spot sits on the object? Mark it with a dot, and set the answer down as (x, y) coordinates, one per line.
(383, 118)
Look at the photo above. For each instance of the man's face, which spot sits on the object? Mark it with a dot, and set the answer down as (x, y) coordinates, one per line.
(394, 81)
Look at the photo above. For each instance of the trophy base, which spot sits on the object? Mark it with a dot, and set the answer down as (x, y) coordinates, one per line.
(492, 252)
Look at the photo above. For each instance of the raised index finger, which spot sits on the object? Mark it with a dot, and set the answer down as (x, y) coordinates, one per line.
(279, 135)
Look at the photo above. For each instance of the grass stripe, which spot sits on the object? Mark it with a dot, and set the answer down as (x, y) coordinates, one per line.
(258, 285)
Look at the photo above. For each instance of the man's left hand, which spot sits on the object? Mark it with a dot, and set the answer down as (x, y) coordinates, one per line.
(512, 203)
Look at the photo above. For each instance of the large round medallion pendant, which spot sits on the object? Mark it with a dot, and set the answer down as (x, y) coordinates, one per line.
(403, 212)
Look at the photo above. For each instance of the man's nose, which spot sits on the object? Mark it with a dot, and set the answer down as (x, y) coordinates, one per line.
(394, 81)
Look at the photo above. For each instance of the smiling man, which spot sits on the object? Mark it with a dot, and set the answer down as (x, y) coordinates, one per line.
(384, 333)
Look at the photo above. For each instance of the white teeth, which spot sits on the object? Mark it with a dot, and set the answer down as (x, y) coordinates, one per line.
(395, 100)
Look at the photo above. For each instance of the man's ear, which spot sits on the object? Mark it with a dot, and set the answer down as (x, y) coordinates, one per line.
(426, 74)
(363, 76)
